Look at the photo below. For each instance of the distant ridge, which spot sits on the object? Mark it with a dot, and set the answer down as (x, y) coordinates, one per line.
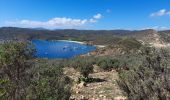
(39, 28)
(83, 35)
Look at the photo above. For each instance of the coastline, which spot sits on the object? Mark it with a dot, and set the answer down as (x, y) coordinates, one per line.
(73, 41)
(98, 46)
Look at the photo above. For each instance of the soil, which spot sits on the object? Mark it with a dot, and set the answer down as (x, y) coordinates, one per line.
(106, 89)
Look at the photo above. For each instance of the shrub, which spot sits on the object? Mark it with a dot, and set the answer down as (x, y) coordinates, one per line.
(108, 63)
(129, 60)
(74, 62)
(15, 68)
(150, 80)
(23, 79)
(50, 84)
(128, 44)
(85, 68)
(83, 65)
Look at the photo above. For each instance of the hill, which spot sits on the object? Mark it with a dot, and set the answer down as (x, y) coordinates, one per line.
(95, 36)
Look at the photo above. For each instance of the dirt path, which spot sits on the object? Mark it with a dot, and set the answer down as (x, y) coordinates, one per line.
(105, 90)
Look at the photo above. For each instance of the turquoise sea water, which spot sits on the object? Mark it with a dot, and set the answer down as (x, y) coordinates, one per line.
(60, 49)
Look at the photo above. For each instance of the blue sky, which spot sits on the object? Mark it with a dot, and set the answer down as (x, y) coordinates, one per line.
(86, 14)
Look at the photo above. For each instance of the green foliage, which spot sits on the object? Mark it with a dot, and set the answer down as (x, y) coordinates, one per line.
(84, 79)
(85, 68)
(4, 86)
(22, 78)
(83, 65)
(108, 63)
(150, 80)
(118, 62)
(89, 79)
(50, 84)
(129, 60)
(128, 44)
(165, 36)
(14, 67)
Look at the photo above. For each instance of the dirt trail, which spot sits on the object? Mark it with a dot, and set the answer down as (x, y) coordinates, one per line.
(105, 90)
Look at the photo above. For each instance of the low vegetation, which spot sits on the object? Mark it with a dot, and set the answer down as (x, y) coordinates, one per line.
(129, 44)
(49, 82)
(143, 73)
(84, 66)
(149, 80)
(22, 78)
(15, 71)
(108, 64)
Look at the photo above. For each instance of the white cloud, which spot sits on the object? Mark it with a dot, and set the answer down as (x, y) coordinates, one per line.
(162, 12)
(92, 20)
(57, 22)
(97, 16)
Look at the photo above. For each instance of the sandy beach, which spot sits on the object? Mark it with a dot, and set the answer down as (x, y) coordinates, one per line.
(72, 41)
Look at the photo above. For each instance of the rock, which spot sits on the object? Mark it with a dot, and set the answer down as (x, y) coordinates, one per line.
(101, 92)
(83, 97)
(104, 97)
(95, 71)
(95, 99)
(76, 79)
(113, 70)
(101, 96)
(74, 87)
(88, 85)
(72, 98)
(120, 98)
(99, 84)
(82, 84)
(77, 92)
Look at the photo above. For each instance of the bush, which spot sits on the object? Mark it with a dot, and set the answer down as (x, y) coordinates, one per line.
(108, 63)
(77, 60)
(150, 80)
(23, 79)
(129, 44)
(83, 65)
(50, 83)
(85, 68)
(14, 69)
